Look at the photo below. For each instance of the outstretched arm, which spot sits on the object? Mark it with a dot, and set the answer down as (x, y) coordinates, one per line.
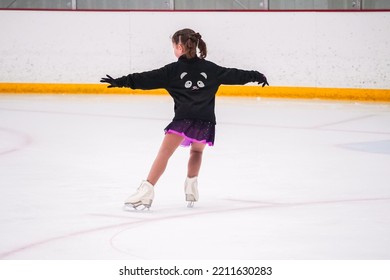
(233, 76)
(146, 80)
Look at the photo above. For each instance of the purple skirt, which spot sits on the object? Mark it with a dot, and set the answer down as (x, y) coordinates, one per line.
(193, 131)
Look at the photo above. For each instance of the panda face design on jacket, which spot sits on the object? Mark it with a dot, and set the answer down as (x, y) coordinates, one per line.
(194, 83)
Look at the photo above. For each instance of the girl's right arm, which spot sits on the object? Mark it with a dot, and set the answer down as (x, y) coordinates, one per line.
(154, 79)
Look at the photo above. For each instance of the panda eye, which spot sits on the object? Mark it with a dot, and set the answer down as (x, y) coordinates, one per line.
(188, 84)
(200, 84)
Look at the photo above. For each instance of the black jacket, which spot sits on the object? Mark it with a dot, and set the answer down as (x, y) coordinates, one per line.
(192, 83)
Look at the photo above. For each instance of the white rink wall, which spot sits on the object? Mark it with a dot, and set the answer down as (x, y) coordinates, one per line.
(303, 49)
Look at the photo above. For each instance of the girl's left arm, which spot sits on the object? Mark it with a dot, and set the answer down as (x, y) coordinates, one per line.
(233, 76)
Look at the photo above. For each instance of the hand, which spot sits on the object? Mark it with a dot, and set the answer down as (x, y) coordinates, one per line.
(113, 82)
(263, 80)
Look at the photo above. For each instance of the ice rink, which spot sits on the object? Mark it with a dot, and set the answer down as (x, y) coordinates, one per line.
(286, 180)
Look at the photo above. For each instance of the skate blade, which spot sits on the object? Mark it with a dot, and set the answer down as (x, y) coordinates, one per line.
(190, 204)
(190, 197)
(138, 209)
(191, 200)
(140, 205)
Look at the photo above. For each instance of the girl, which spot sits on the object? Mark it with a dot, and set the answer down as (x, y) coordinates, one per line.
(192, 82)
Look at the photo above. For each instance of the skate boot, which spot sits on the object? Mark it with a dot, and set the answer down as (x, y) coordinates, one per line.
(143, 197)
(191, 191)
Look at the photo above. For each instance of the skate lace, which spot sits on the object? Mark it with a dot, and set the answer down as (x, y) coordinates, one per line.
(191, 188)
(141, 189)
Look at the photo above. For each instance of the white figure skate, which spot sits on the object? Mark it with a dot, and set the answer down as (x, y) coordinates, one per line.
(143, 197)
(191, 191)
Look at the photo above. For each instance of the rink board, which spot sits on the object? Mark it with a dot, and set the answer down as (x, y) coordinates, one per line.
(361, 94)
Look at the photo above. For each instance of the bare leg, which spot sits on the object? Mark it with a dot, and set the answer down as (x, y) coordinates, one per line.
(195, 160)
(168, 147)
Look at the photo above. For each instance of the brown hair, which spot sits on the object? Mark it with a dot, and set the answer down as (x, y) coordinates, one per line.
(190, 40)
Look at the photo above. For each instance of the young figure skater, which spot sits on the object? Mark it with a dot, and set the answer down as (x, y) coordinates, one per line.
(192, 82)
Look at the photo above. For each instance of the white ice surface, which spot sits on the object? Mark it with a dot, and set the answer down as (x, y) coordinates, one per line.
(287, 179)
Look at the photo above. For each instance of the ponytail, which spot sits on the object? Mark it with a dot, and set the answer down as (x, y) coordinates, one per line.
(190, 41)
(201, 46)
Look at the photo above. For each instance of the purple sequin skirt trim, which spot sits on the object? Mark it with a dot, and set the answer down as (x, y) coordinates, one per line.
(193, 131)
